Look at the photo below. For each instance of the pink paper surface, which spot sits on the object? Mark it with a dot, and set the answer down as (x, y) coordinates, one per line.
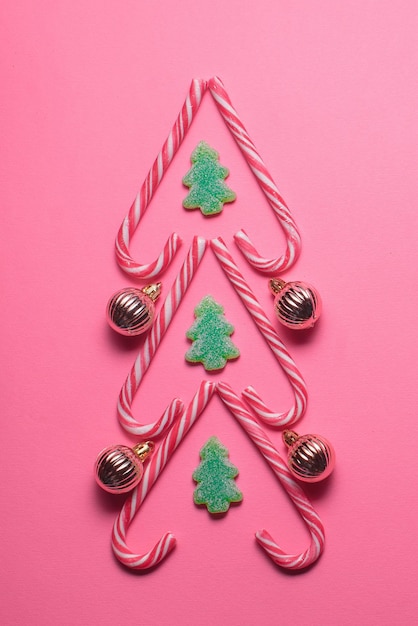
(328, 93)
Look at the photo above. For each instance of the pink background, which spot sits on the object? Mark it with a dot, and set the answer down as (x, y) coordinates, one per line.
(328, 93)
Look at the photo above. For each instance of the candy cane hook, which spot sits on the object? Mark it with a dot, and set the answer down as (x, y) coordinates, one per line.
(149, 186)
(267, 185)
(156, 465)
(295, 492)
(271, 337)
(142, 362)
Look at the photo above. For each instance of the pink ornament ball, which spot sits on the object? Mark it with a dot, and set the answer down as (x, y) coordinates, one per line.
(297, 304)
(131, 311)
(118, 469)
(310, 458)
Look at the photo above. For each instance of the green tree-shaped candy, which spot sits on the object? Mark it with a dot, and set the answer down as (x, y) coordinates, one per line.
(210, 335)
(208, 192)
(215, 475)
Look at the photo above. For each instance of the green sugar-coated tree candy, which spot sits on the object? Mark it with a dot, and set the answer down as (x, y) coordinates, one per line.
(215, 475)
(208, 192)
(210, 335)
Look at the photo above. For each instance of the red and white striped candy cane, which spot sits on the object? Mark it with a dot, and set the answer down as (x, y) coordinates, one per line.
(295, 492)
(149, 186)
(142, 362)
(270, 335)
(157, 463)
(267, 185)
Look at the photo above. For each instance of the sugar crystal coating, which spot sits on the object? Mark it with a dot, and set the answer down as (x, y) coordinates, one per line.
(215, 475)
(210, 335)
(208, 192)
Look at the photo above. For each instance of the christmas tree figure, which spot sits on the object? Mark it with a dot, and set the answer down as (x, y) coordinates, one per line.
(210, 335)
(208, 192)
(215, 476)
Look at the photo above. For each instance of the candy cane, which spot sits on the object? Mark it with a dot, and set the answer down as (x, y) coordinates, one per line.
(142, 362)
(267, 185)
(149, 186)
(276, 345)
(156, 465)
(295, 492)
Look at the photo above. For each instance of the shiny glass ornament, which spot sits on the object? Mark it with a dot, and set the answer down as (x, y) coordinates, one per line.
(310, 458)
(131, 311)
(296, 304)
(118, 469)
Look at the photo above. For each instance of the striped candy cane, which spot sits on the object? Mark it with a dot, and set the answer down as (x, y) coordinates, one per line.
(296, 494)
(149, 186)
(142, 362)
(154, 468)
(276, 345)
(267, 185)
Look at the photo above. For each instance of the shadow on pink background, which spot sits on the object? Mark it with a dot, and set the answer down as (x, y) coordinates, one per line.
(328, 94)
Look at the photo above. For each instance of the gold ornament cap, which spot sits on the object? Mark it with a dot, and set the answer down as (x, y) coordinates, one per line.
(143, 449)
(276, 285)
(152, 291)
(289, 437)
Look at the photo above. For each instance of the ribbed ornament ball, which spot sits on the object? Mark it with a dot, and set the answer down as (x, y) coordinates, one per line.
(131, 311)
(118, 469)
(297, 304)
(311, 458)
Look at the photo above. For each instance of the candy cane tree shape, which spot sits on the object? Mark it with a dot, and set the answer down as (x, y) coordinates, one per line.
(163, 320)
(215, 475)
(210, 335)
(208, 191)
(176, 421)
(129, 226)
(170, 442)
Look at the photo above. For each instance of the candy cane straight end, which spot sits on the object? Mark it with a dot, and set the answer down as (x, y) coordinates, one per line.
(200, 242)
(214, 82)
(217, 242)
